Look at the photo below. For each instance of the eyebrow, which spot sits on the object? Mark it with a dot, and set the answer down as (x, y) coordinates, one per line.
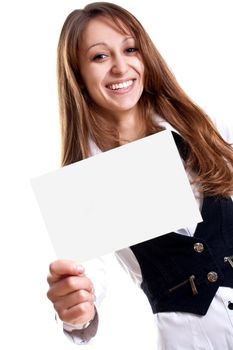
(104, 44)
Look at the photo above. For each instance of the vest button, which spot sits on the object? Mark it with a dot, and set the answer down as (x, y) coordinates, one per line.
(198, 247)
(212, 276)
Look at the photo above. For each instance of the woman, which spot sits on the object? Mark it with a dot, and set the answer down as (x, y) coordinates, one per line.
(114, 87)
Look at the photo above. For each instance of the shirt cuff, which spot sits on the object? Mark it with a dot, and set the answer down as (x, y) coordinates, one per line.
(84, 335)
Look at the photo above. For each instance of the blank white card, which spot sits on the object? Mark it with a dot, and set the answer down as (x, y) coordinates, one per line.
(117, 198)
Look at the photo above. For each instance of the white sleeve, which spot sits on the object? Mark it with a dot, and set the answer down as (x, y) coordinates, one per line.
(95, 270)
(129, 263)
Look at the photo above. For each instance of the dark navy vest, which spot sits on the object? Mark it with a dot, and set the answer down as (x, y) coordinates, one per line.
(183, 273)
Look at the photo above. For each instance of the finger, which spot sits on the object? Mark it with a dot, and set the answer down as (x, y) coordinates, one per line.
(60, 268)
(77, 314)
(68, 285)
(73, 299)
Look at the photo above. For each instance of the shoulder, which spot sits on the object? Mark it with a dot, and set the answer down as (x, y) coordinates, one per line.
(163, 123)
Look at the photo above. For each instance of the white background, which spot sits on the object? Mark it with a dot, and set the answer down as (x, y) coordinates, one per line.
(195, 39)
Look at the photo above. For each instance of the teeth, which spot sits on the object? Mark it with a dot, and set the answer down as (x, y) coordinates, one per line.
(121, 85)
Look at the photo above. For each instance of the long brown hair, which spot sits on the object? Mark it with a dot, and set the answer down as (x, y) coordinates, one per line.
(209, 155)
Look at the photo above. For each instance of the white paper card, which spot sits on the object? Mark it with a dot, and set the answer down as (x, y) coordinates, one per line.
(117, 198)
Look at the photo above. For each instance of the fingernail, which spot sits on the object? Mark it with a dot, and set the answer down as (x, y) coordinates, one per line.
(80, 268)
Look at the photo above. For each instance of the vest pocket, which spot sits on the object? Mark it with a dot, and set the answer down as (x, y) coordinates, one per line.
(190, 280)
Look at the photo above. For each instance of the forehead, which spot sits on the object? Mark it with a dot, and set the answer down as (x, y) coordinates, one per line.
(103, 29)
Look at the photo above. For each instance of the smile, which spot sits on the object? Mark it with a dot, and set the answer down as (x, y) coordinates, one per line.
(119, 86)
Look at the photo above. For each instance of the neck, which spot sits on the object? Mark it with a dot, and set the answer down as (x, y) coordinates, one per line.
(130, 127)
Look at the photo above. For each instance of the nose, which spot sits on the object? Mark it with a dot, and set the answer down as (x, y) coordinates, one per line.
(119, 65)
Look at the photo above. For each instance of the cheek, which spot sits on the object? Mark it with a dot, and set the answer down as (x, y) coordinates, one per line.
(93, 78)
(93, 85)
(139, 67)
(142, 68)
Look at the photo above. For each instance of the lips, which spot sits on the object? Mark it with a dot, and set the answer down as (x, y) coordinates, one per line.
(120, 85)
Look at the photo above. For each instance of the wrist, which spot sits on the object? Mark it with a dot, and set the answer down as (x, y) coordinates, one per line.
(71, 327)
(79, 326)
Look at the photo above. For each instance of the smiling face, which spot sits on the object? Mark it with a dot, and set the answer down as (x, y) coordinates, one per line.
(111, 68)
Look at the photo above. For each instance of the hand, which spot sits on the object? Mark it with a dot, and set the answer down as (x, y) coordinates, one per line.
(71, 292)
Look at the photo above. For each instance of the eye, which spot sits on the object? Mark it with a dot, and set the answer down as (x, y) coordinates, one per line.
(99, 57)
(131, 49)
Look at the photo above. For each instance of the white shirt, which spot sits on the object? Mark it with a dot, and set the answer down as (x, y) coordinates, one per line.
(178, 330)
